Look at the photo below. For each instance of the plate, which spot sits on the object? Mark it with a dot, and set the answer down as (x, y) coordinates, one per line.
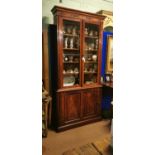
(89, 82)
(69, 80)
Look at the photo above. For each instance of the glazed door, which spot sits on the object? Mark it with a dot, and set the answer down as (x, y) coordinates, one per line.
(91, 54)
(71, 52)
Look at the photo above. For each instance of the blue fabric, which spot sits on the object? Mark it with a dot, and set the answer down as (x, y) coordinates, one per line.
(106, 100)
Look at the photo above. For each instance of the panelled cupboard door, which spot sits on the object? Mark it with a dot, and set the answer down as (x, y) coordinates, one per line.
(91, 104)
(70, 55)
(70, 106)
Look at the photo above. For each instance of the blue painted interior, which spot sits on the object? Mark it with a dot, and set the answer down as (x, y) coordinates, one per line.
(104, 47)
(106, 99)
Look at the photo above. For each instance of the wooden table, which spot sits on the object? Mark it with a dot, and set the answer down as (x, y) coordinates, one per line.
(107, 84)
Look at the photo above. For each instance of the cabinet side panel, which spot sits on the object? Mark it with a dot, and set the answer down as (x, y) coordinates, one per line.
(52, 39)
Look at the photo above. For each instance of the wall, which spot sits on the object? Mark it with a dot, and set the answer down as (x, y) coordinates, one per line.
(84, 5)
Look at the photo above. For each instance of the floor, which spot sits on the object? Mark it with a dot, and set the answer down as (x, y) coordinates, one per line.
(57, 143)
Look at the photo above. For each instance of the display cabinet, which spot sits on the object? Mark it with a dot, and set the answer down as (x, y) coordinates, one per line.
(75, 63)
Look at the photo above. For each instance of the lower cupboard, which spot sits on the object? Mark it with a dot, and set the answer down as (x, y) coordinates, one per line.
(77, 107)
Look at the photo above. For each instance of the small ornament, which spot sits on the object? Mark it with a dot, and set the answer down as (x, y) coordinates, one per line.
(66, 42)
(74, 31)
(71, 43)
(95, 33)
(86, 31)
(76, 70)
(69, 29)
(71, 58)
(94, 57)
(96, 44)
(91, 33)
(66, 58)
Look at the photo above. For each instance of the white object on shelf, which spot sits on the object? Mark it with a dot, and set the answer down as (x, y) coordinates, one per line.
(68, 84)
(69, 81)
(94, 57)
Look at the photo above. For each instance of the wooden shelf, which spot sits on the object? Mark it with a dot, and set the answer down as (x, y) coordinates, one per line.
(94, 37)
(71, 62)
(76, 54)
(70, 35)
(90, 62)
(89, 83)
(71, 49)
(70, 73)
(94, 50)
(88, 54)
(90, 72)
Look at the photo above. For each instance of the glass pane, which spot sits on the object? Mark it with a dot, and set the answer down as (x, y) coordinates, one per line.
(71, 53)
(91, 53)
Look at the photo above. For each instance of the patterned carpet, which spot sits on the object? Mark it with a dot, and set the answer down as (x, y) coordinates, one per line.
(88, 149)
(96, 148)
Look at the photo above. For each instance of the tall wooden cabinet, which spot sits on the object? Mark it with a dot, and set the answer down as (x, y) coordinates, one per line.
(75, 64)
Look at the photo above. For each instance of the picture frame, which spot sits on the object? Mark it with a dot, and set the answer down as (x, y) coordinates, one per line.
(109, 55)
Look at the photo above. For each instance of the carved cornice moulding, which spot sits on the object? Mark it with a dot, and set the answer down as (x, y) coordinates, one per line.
(108, 21)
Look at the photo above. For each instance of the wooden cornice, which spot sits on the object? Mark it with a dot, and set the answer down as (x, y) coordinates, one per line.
(59, 8)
